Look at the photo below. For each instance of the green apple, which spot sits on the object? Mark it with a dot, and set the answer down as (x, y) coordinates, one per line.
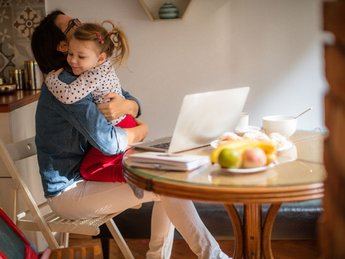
(230, 158)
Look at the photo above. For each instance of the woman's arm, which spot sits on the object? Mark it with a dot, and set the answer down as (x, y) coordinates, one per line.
(86, 119)
(105, 137)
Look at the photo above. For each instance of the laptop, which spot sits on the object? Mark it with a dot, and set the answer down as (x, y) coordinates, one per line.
(203, 117)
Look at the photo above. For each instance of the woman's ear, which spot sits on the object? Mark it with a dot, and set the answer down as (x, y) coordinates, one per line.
(62, 46)
(101, 58)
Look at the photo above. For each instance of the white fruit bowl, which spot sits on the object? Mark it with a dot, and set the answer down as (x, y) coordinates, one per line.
(284, 125)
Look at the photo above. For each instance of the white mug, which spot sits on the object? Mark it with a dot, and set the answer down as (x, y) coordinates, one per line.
(243, 121)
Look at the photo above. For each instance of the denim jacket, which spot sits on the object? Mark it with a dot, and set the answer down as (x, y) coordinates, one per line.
(65, 132)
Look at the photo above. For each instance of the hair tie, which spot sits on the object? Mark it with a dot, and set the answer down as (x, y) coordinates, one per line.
(114, 36)
(115, 33)
(99, 38)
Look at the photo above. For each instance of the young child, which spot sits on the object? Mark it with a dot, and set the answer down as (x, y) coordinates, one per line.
(90, 50)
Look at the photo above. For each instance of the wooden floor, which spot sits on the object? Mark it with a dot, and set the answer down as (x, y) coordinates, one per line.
(296, 249)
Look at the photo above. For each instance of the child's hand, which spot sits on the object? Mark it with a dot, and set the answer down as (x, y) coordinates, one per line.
(52, 75)
(56, 72)
(46, 254)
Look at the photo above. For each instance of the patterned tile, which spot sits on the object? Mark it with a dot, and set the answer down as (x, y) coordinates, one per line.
(4, 15)
(5, 24)
(28, 2)
(5, 3)
(3, 59)
(18, 19)
(26, 22)
(6, 59)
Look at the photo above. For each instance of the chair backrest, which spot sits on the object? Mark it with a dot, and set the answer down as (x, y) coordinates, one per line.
(11, 153)
(22, 149)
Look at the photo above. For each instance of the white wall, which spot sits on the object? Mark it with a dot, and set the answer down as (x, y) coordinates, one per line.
(271, 45)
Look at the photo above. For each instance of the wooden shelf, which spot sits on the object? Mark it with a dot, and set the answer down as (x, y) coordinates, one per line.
(151, 8)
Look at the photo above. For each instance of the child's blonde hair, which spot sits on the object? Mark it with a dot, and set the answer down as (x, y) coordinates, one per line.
(113, 43)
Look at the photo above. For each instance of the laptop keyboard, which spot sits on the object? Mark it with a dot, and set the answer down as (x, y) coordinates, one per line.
(164, 145)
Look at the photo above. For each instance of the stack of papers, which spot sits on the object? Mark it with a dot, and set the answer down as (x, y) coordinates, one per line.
(165, 161)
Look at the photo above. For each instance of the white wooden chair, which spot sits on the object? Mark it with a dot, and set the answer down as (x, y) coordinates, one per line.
(39, 217)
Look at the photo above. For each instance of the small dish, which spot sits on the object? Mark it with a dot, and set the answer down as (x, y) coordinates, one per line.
(7, 89)
(248, 170)
(284, 125)
(285, 146)
(242, 131)
(215, 143)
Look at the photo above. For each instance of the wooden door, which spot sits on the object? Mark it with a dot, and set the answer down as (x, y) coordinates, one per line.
(332, 225)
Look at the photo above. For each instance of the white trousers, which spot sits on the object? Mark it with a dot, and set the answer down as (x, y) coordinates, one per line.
(91, 199)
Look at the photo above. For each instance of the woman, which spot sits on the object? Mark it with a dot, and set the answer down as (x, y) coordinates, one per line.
(93, 52)
(65, 132)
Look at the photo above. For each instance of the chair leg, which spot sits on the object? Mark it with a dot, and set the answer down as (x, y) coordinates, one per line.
(52, 242)
(105, 247)
(64, 239)
(119, 239)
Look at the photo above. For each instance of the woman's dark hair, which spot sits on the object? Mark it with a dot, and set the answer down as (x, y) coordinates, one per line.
(44, 42)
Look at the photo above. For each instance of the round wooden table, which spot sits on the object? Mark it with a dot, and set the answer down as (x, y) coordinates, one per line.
(298, 177)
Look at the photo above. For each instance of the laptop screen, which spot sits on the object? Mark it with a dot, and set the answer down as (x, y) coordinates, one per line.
(203, 117)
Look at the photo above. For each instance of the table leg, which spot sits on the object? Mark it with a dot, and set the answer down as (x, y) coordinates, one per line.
(267, 230)
(251, 239)
(237, 228)
(252, 218)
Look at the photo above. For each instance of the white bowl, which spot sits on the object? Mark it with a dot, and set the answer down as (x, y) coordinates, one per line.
(284, 125)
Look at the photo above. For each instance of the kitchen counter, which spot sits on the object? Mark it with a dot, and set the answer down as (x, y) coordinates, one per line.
(20, 98)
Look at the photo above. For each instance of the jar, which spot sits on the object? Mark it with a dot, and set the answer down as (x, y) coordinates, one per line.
(33, 75)
(168, 11)
(17, 78)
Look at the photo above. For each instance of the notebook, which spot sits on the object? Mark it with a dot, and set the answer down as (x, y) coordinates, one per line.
(203, 117)
(165, 161)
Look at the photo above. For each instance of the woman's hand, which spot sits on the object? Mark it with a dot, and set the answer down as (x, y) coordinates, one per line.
(117, 107)
(137, 133)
